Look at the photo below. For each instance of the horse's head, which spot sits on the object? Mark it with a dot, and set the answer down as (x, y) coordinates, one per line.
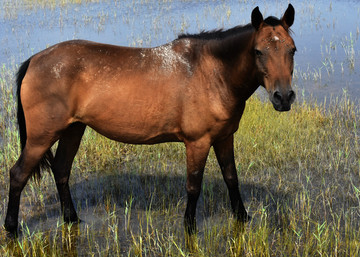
(274, 51)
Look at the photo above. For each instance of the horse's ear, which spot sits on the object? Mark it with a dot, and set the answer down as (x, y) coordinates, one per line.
(288, 18)
(256, 18)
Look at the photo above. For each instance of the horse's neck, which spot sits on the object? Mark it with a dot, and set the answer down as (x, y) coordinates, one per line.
(235, 54)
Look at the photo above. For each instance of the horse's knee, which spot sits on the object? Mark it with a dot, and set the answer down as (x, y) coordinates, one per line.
(18, 178)
(193, 190)
(193, 182)
(231, 181)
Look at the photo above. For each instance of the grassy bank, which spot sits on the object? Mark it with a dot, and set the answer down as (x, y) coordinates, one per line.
(299, 176)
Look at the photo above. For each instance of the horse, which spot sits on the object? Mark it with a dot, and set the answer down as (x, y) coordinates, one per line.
(191, 90)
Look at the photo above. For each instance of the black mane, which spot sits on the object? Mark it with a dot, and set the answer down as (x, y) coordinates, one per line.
(219, 34)
(273, 21)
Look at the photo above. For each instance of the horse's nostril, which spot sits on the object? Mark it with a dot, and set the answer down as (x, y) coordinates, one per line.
(277, 96)
(291, 95)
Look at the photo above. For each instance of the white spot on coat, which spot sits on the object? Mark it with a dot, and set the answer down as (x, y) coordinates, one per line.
(170, 59)
(57, 69)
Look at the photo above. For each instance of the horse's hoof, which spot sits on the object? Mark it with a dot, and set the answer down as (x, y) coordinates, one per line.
(11, 233)
(247, 218)
(75, 220)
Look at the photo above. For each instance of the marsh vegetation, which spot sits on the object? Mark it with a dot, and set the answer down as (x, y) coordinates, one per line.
(299, 171)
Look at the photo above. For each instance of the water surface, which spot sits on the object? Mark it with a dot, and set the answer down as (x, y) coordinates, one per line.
(326, 32)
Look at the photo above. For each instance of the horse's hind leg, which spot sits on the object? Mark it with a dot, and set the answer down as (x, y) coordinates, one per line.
(68, 145)
(19, 175)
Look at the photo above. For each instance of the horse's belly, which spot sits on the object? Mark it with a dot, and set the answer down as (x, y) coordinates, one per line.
(137, 132)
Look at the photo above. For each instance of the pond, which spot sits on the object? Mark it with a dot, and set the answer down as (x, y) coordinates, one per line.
(326, 32)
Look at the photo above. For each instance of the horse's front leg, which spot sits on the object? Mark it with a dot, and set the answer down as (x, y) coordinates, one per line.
(196, 155)
(224, 151)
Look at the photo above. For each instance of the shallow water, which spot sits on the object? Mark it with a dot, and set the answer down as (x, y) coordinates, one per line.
(326, 33)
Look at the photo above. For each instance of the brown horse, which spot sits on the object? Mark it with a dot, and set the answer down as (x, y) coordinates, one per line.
(191, 90)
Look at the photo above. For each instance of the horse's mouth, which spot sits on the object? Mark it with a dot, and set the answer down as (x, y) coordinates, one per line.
(282, 108)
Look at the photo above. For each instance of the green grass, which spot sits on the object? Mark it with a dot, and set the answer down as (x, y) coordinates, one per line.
(299, 176)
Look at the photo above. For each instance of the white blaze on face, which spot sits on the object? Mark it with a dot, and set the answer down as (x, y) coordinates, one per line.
(276, 38)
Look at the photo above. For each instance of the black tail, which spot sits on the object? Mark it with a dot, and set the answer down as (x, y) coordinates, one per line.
(47, 159)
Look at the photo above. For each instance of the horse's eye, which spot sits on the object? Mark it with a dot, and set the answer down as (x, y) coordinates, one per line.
(258, 52)
(292, 51)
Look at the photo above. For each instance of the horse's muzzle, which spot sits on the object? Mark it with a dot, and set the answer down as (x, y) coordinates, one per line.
(282, 99)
